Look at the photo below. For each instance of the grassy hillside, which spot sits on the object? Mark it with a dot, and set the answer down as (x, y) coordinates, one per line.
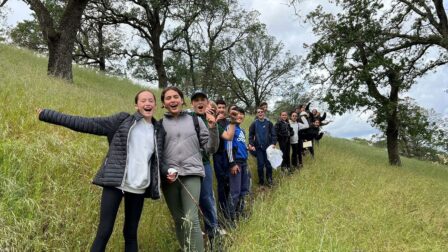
(47, 201)
(347, 199)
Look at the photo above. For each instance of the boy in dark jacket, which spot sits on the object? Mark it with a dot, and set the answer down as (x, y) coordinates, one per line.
(131, 167)
(261, 136)
(200, 102)
(220, 159)
(284, 133)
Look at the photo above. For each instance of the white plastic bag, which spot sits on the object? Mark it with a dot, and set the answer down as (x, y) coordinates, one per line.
(274, 156)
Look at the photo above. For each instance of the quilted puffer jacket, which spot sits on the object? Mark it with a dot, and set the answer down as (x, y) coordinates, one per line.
(116, 128)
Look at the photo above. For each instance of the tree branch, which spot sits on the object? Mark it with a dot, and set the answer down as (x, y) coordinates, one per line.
(3, 3)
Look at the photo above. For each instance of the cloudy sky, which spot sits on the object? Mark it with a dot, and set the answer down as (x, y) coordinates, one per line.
(285, 25)
(281, 21)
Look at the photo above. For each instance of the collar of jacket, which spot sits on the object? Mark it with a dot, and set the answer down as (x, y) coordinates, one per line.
(168, 114)
(139, 116)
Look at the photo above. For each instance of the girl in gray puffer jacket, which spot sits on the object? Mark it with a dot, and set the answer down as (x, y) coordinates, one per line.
(131, 167)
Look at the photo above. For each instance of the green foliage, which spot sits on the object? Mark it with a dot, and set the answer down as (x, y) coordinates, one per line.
(95, 43)
(261, 68)
(422, 132)
(359, 65)
(28, 34)
(200, 58)
(3, 26)
(344, 200)
(292, 97)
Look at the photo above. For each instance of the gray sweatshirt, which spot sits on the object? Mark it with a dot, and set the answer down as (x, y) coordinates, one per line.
(182, 149)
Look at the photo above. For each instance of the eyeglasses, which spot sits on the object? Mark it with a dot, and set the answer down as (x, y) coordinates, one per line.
(260, 112)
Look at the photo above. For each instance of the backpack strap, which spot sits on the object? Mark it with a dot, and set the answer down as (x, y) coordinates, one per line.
(196, 126)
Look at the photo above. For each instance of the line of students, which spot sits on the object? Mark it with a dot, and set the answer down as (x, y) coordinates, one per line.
(172, 155)
(146, 156)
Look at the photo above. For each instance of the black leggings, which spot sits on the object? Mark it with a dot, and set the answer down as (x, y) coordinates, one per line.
(285, 148)
(297, 150)
(110, 202)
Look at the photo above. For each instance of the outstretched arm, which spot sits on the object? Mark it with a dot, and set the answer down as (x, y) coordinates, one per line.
(102, 126)
(322, 118)
(305, 124)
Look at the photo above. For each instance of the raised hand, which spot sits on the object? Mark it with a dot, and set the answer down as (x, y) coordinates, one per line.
(210, 115)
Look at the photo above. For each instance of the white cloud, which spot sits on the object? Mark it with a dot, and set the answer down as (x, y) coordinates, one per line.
(431, 91)
(349, 125)
(19, 11)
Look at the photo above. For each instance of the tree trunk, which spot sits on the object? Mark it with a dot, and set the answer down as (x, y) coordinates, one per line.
(160, 67)
(60, 58)
(392, 142)
(61, 41)
(392, 117)
(101, 54)
(406, 146)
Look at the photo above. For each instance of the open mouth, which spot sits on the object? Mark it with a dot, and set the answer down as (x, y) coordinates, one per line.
(173, 106)
(200, 107)
(147, 109)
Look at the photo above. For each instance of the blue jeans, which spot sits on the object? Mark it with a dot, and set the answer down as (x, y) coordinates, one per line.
(207, 201)
(239, 187)
(221, 166)
(262, 161)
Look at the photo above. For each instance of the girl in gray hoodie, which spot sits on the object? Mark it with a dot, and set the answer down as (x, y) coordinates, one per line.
(182, 167)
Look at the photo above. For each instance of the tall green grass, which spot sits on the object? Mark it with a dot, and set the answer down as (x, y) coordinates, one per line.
(347, 199)
(47, 201)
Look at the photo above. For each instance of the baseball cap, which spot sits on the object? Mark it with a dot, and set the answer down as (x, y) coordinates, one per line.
(198, 93)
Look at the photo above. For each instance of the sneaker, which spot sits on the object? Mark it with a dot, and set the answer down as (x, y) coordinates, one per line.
(222, 231)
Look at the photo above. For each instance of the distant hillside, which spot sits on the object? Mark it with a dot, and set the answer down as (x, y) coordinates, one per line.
(347, 199)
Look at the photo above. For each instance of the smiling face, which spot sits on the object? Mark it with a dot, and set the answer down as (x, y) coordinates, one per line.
(221, 109)
(260, 113)
(146, 104)
(240, 118)
(294, 117)
(284, 116)
(172, 101)
(200, 104)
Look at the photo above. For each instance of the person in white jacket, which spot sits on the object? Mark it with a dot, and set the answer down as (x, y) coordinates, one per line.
(296, 142)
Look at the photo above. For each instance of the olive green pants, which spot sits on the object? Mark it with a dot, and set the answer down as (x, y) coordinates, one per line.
(184, 211)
